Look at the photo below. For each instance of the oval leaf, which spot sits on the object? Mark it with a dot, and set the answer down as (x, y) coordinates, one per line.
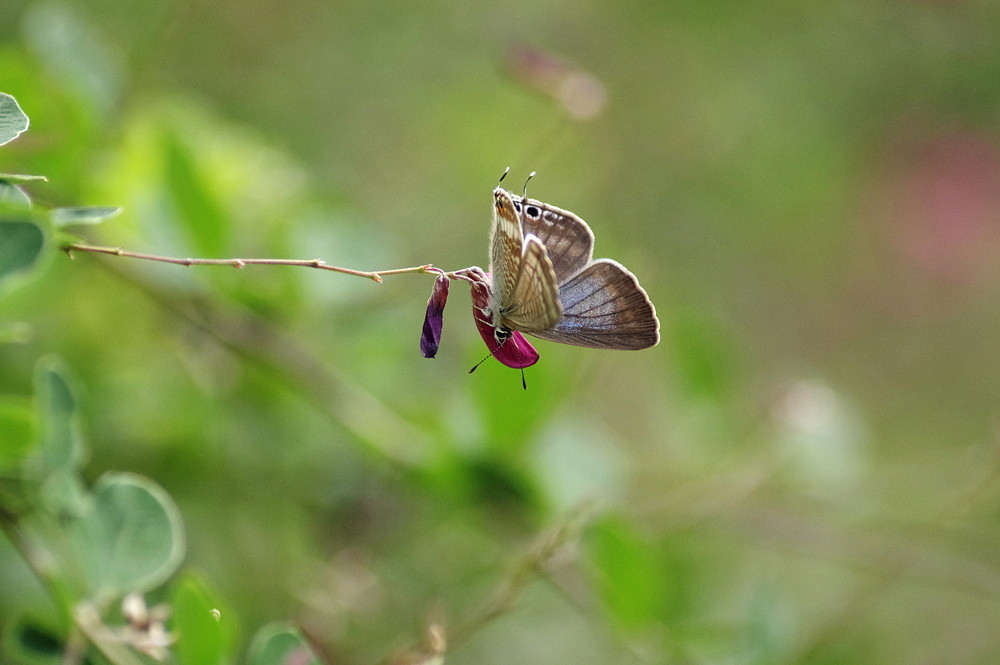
(21, 245)
(281, 644)
(13, 122)
(134, 537)
(59, 440)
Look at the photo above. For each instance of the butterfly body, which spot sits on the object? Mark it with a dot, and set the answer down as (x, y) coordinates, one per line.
(544, 281)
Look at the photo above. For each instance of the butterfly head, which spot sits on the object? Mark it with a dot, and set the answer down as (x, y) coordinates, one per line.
(506, 206)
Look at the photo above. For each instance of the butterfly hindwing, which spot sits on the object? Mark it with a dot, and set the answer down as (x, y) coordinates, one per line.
(604, 308)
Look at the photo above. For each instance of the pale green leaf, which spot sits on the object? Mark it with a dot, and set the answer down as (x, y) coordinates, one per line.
(83, 215)
(59, 440)
(13, 122)
(13, 197)
(133, 539)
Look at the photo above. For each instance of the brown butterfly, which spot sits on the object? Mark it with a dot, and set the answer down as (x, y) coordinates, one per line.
(545, 282)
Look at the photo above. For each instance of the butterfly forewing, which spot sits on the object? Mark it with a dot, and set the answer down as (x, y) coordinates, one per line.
(535, 305)
(605, 308)
(506, 247)
(567, 238)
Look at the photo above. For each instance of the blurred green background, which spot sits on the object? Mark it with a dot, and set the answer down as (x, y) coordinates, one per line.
(804, 470)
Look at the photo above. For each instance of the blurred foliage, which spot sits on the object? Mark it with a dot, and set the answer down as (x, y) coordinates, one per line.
(803, 471)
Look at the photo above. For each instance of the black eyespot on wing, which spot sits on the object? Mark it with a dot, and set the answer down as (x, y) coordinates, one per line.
(533, 212)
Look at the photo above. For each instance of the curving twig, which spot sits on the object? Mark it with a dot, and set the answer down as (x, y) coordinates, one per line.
(319, 264)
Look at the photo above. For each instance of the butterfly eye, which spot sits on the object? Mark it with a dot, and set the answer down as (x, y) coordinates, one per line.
(533, 212)
(517, 206)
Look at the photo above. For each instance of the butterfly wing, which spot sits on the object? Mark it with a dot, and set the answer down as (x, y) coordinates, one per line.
(604, 308)
(567, 238)
(535, 304)
(506, 247)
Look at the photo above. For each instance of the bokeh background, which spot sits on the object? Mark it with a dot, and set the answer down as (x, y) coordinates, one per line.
(805, 470)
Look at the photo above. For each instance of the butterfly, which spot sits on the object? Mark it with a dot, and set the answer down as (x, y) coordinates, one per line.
(544, 281)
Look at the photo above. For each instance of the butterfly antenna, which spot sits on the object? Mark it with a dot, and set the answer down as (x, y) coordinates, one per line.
(476, 366)
(505, 172)
(524, 190)
(524, 383)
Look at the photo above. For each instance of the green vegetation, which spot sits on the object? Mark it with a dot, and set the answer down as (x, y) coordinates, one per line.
(213, 464)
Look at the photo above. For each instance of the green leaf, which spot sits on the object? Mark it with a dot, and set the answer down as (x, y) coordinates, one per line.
(83, 215)
(17, 432)
(63, 494)
(13, 197)
(200, 211)
(21, 245)
(281, 644)
(629, 575)
(13, 122)
(133, 539)
(60, 443)
(205, 630)
(29, 643)
(59, 447)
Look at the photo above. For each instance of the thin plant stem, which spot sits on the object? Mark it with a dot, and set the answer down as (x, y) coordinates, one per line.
(319, 264)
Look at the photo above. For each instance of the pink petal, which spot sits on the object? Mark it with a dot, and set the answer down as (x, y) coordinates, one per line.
(516, 351)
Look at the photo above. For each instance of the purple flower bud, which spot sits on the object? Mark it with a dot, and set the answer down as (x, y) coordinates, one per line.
(430, 338)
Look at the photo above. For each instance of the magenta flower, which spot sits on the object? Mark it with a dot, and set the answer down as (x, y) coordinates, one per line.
(430, 338)
(514, 351)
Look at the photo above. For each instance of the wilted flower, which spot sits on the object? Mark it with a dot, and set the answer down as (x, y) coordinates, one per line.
(430, 338)
(146, 630)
